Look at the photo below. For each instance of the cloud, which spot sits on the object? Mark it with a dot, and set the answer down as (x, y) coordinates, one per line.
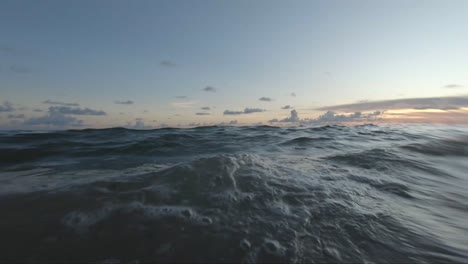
(202, 114)
(329, 117)
(209, 89)
(188, 104)
(54, 119)
(38, 110)
(19, 116)
(246, 111)
(19, 69)
(205, 108)
(128, 102)
(59, 116)
(294, 117)
(167, 63)
(293, 94)
(7, 49)
(332, 117)
(230, 112)
(65, 110)
(7, 107)
(59, 103)
(253, 110)
(441, 117)
(139, 124)
(230, 123)
(180, 97)
(265, 99)
(286, 107)
(453, 86)
(441, 103)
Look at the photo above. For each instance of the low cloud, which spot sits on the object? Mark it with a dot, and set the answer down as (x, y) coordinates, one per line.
(210, 89)
(246, 111)
(293, 94)
(7, 48)
(294, 117)
(265, 99)
(20, 116)
(128, 102)
(19, 69)
(59, 103)
(168, 64)
(453, 86)
(440, 117)
(332, 117)
(65, 110)
(62, 117)
(202, 114)
(205, 108)
(7, 107)
(139, 124)
(10, 49)
(286, 107)
(55, 119)
(329, 117)
(440, 103)
(230, 123)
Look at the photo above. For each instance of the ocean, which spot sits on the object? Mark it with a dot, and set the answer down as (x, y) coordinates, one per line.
(364, 193)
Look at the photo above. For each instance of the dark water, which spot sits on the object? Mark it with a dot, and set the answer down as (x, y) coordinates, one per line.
(228, 194)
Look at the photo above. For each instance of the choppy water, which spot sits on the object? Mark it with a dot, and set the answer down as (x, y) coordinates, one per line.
(228, 194)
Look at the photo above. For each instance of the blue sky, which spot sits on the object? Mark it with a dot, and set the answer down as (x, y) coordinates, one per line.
(161, 55)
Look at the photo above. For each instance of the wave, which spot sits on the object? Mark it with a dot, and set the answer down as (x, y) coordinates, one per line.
(305, 140)
(444, 147)
(233, 194)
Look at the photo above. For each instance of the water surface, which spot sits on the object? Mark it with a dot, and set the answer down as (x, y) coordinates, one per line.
(236, 194)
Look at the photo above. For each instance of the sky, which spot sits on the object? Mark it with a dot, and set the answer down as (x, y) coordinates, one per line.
(147, 63)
